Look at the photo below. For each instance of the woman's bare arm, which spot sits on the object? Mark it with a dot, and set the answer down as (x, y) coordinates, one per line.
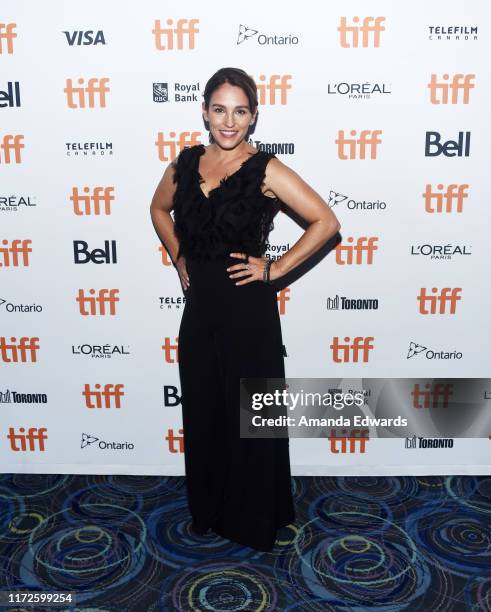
(160, 212)
(291, 189)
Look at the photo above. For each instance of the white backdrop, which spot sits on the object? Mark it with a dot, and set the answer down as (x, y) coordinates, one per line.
(49, 419)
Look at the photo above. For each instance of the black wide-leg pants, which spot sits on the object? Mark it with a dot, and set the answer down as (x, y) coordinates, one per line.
(238, 487)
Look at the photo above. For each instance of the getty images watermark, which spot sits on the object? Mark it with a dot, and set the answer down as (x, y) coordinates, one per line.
(381, 407)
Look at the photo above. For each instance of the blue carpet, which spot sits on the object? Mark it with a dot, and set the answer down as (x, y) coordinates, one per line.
(124, 543)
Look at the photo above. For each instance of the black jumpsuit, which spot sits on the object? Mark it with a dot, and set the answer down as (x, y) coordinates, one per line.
(238, 487)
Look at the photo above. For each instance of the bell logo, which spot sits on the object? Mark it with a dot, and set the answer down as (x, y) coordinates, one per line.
(32, 441)
(171, 351)
(10, 255)
(277, 83)
(22, 351)
(10, 148)
(367, 137)
(357, 439)
(167, 39)
(84, 96)
(97, 305)
(109, 397)
(451, 148)
(282, 298)
(439, 90)
(350, 353)
(348, 253)
(438, 302)
(349, 35)
(92, 202)
(432, 396)
(7, 36)
(168, 149)
(175, 442)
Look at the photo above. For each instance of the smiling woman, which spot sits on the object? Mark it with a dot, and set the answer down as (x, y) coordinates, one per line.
(224, 197)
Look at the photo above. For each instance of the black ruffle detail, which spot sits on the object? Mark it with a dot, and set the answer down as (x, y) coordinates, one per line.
(236, 216)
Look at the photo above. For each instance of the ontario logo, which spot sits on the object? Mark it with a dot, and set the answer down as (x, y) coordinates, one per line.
(90, 440)
(246, 33)
(335, 198)
(418, 349)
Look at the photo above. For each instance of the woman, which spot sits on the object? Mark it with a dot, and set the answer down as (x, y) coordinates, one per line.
(224, 197)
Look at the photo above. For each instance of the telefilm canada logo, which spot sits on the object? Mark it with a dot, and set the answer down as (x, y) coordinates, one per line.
(460, 33)
(90, 440)
(246, 33)
(416, 349)
(171, 302)
(89, 149)
(336, 197)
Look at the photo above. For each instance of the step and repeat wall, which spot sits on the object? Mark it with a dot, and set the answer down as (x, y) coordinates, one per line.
(383, 109)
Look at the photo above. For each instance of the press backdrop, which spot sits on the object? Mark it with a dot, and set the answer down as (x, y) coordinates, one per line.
(382, 108)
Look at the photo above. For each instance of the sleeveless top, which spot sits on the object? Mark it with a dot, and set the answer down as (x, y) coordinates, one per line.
(236, 215)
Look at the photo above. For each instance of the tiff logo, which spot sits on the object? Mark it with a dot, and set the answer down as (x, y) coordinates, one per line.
(10, 254)
(432, 396)
(91, 95)
(352, 253)
(7, 36)
(32, 441)
(173, 36)
(168, 149)
(89, 203)
(357, 439)
(452, 200)
(428, 303)
(175, 443)
(370, 30)
(367, 138)
(93, 305)
(10, 149)
(171, 351)
(277, 83)
(350, 353)
(109, 397)
(22, 351)
(440, 90)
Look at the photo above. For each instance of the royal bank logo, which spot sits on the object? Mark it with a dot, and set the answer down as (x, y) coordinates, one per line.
(336, 198)
(418, 349)
(246, 33)
(181, 92)
(160, 92)
(90, 440)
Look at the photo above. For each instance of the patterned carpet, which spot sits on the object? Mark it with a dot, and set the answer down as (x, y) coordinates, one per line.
(123, 543)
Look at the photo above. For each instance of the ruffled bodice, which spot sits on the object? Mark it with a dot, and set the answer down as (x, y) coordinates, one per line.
(236, 215)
